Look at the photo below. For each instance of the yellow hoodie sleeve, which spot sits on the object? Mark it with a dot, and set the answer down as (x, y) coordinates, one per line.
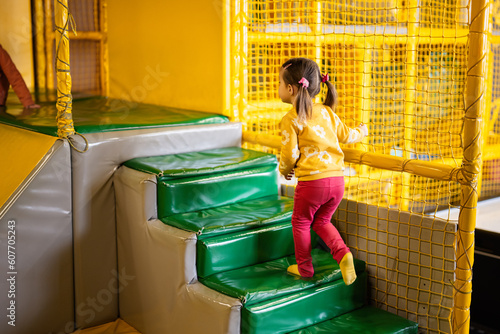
(347, 135)
(289, 146)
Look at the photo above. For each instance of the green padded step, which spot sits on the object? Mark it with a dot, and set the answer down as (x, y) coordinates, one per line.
(366, 320)
(304, 308)
(235, 217)
(208, 191)
(264, 281)
(202, 163)
(241, 249)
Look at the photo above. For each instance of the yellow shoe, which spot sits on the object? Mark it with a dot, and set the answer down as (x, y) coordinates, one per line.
(347, 269)
(293, 269)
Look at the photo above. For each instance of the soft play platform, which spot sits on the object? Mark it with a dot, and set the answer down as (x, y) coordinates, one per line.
(102, 114)
(205, 240)
(71, 195)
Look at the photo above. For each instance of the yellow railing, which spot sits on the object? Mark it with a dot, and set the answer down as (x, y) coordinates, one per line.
(428, 169)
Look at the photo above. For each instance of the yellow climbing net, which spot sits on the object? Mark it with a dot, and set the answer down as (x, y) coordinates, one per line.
(423, 75)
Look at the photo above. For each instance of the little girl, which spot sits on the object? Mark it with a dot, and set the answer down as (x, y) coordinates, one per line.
(311, 134)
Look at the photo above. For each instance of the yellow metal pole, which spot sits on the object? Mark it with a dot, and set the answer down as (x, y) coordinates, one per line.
(227, 62)
(366, 93)
(40, 43)
(410, 95)
(318, 32)
(475, 103)
(366, 99)
(103, 27)
(64, 100)
(234, 59)
(49, 37)
(243, 62)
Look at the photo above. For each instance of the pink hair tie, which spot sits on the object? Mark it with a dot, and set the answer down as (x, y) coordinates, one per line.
(304, 82)
(325, 78)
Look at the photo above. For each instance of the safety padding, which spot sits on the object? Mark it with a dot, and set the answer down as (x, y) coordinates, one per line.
(237, 250)
(202, 163)
(101, 114)
(241, 249)
(209, 191)
(21, 151)
(366, 320)
(264, 281)
(234, 217)
(300, 309)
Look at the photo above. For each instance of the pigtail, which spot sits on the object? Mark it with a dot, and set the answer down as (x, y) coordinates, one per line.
(304, 74)
(303, 103)
(331, 98)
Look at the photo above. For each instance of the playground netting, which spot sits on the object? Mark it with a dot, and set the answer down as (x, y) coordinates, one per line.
(406, 69)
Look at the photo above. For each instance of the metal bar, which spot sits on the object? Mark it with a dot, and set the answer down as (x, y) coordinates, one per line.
(410, 95)
(242, 40)
(64, 100)
(475, 104)
(425, 35)
(430, 169)
(103, 27)
(49, 42)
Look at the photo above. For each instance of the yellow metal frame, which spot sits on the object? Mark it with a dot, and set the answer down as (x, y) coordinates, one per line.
(44, 15)
(475, 104)
(63, 21)
(476, 100)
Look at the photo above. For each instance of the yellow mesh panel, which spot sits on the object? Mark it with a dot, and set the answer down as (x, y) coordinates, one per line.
(444, 13)
(490, 181)
(439, 112)
(85, 66)
(88, 47)
(86, 14)
(400, 67)
(408, 259)
(364, 46)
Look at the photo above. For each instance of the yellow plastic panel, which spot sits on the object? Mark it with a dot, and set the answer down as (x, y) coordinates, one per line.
(20, 152)
(167, 52)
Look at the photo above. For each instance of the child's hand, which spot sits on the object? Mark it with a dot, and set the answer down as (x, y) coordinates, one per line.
(290, 175)
(364, 129)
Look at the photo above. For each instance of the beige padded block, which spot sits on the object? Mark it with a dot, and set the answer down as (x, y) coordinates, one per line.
(94, 201)
(159, 288)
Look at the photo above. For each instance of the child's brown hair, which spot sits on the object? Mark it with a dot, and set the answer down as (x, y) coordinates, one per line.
(294, 70)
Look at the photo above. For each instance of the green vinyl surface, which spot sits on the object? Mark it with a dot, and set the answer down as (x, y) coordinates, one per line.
(234, 217)
(241, 249)
(201, 163)
(264, 281)
(209, 191)
(366, 320)
(304, 308)
(101, 114)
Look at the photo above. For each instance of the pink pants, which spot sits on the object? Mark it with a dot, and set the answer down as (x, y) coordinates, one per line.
(314, 204)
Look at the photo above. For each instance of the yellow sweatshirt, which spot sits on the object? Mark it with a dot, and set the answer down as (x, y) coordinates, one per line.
(312, 148)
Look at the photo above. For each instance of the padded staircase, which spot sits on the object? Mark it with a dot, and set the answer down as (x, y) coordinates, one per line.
(225, 204)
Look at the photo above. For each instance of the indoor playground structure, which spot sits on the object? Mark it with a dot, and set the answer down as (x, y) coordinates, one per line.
(143, 195)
